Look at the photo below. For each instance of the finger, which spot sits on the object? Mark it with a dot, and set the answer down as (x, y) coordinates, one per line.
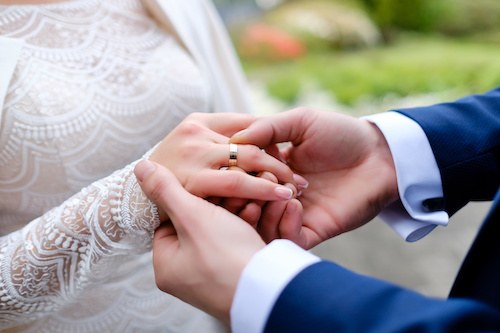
(234, 205)
(163, 188)
(235, 184)
(165, 241)
(268, 227)
(290, 226)
(274, 151)
(283, 155)
(253, 159)
(268, 176)
(282, 127)
(215, 200)
(225, 123)
(164, 231)
(301, 182)
(251, 213)
(165, 247)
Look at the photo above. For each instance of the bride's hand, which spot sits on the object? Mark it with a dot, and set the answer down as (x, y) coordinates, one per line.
(197, 152)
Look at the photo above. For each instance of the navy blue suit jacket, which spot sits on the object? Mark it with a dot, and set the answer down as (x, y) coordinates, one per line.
(465, 139)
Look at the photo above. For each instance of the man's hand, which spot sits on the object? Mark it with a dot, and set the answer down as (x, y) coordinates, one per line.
(348, 165)
(199, 257)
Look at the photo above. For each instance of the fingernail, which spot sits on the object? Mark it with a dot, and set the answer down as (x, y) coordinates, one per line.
(284, 192)
(144, 169)
(302, 183)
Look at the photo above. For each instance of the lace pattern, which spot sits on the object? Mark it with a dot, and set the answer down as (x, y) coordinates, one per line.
(96, 86)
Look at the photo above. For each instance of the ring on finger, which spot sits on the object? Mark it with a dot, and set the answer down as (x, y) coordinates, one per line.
(233, 155)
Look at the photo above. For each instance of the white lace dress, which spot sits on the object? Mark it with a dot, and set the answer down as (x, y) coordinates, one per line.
(96, 86)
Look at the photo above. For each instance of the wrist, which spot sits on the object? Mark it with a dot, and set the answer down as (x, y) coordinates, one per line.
(388, 189)
(137, 211)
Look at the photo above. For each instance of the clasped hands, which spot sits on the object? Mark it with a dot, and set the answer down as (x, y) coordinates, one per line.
(201, 254)
(197, 152)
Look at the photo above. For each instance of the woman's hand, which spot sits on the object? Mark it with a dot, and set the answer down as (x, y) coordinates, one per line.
(197, 152)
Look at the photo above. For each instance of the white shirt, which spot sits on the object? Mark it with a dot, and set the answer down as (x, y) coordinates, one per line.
(272, 268)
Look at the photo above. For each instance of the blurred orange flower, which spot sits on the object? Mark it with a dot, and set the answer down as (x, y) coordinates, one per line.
(270, 43)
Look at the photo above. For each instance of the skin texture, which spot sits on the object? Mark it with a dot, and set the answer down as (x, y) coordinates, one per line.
(348, 165)
(197, 149)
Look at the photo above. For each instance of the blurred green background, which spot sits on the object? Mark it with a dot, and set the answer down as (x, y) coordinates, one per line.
(366, 56)
(362, 56)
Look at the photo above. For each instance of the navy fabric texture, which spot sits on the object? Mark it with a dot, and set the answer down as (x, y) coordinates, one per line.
(328, 298)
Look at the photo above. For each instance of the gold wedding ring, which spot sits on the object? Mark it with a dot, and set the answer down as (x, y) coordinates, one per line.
(233, 154)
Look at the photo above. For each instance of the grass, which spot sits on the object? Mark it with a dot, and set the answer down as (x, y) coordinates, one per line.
(414, 65)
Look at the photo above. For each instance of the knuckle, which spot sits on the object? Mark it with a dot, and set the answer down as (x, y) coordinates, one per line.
(269, 176)
(189, 150)
(253, 153)
(195, 116)
(233, 181)
(190, 127)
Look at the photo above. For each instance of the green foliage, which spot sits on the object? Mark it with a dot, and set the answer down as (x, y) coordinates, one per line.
(413, 66)
(464, 17)
(286, 87)
(452, 17)
(411, 15)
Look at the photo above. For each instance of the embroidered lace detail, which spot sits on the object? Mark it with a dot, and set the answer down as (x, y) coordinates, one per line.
(96, 86)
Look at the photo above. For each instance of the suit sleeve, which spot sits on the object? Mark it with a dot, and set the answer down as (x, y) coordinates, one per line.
(325, 297)
(465, 138)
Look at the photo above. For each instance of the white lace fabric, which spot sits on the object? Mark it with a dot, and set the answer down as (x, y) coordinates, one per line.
(96, 86)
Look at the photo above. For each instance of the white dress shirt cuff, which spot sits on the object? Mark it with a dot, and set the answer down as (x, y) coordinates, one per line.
(417, 175)
(263, 280)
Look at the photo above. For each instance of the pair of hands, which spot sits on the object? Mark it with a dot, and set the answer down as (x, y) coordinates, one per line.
(198, 148)
(200, 256)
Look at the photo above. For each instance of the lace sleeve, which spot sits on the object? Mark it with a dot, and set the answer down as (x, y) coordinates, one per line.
(55, 257)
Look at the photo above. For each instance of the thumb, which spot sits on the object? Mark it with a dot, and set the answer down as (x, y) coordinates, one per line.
(265, 131)
(162, 187)
(227, 123)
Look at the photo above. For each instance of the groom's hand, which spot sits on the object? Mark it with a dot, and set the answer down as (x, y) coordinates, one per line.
(348, 165)
(199, 257)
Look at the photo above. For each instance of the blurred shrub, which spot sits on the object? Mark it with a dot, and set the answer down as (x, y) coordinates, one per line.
(412, 15)
(465, 17)
(450, 17)
(326, 24)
